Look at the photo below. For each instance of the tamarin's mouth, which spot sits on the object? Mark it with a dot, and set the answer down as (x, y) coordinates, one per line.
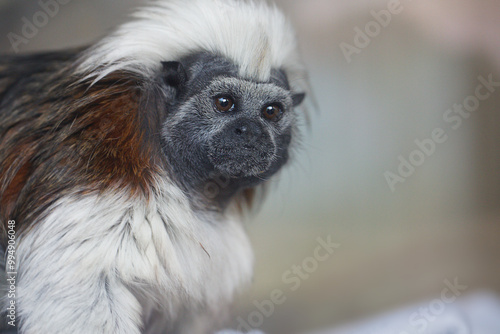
(245, 161)
(242, 148)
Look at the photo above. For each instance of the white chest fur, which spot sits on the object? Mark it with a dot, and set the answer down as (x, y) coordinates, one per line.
(159, 248)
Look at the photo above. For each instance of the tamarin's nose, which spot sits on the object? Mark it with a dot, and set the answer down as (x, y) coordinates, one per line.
(246, 130)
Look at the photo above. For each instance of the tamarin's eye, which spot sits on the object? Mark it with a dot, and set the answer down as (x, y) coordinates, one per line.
(272, 112)
(224, 103)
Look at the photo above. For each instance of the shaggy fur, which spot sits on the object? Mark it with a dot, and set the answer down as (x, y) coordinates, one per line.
(114, 232)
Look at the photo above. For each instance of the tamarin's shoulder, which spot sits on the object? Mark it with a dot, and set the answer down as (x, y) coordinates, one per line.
(58, 130)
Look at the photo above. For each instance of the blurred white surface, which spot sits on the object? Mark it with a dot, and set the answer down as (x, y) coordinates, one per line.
(476, 314)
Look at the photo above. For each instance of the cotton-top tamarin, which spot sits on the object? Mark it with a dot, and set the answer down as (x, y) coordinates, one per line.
(124, 166)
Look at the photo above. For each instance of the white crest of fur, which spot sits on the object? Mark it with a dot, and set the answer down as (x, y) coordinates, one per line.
(253, 34)
(108, 260)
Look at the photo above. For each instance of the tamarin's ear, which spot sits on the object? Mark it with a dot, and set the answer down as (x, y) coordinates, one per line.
(174, 73)
(298, 98)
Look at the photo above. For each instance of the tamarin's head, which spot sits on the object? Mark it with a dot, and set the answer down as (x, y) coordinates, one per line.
(229, 77)
(222, 125)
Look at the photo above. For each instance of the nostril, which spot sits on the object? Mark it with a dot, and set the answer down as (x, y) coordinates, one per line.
(241, 130)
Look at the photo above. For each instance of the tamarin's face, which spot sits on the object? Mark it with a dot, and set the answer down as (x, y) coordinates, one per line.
(221, 125)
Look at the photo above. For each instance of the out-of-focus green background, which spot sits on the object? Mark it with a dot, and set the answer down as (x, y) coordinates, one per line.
(396, 247)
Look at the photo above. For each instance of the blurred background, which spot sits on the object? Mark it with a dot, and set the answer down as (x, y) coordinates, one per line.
(405, 217)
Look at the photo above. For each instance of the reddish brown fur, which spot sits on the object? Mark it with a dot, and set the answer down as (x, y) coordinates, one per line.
(94, 139)
(113, 147)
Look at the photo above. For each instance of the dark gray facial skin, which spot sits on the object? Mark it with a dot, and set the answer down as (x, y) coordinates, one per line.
(240, 145)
